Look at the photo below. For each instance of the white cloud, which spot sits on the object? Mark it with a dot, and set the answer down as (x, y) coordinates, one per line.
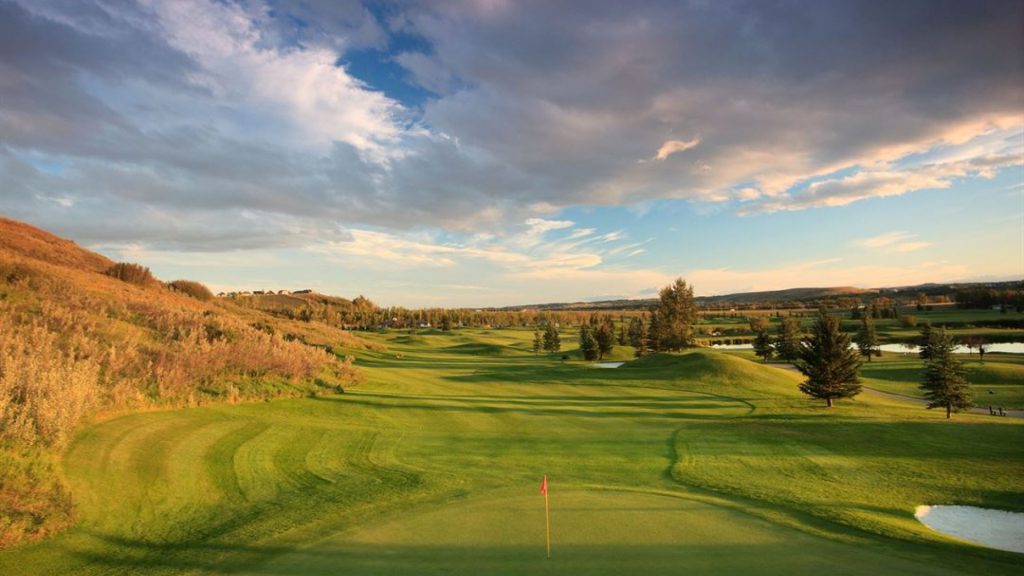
(671, 147)
(294, 92)
(898, 241)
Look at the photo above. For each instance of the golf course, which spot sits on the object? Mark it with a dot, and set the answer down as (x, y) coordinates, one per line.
(701, 462)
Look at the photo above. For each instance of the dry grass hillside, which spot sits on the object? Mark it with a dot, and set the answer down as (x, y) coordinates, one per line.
(81, 338)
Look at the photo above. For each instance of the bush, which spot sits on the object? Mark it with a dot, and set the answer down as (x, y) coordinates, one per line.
(131, 273)
(190, 288)
(908, 321)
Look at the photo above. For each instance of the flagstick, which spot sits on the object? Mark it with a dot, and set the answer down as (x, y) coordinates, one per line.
(547, 518)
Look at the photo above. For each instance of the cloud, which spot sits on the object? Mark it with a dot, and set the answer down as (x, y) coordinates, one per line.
(204, 120)
(671, 147)
(898, 241)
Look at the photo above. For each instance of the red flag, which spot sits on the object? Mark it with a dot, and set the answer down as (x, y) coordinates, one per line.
(544, 486)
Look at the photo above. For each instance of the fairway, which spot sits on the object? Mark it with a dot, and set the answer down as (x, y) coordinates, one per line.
(699, 463)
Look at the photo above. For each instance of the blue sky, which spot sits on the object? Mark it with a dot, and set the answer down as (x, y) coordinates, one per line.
(484, 152)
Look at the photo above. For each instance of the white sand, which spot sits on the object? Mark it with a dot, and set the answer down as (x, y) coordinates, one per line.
(608, 364)
(990, 528)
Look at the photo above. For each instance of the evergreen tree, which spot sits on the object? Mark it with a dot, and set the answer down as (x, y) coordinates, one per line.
(787, 345)
(446, 323)
(638, 336)
(677, 314)
(763, 345)
(623, 337)
(945, 381)
(538, 342)
(605, 339)
(924, 341)
(588, 344)
(867, 340)
(552, 342)
(653, 330)
(829, 363)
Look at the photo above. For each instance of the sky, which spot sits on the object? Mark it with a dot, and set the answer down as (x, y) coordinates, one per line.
(491, 152)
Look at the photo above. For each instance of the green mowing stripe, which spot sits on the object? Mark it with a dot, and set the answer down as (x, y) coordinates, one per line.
(219, 459)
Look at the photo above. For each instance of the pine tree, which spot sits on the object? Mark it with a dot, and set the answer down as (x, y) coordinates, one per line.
(787, 345)
(829, 363)
(552, 343)
(924, 341)
(867, 340)
(605, 339)
(653, 331)
(945, 380)
(588, 344)
(638, 336)
(763, 345)
(538, 342)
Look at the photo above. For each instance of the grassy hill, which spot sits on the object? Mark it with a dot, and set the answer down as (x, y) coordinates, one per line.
(77, 343)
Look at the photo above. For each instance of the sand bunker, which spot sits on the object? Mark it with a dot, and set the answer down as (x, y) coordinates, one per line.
(990, 528)
(608, 364)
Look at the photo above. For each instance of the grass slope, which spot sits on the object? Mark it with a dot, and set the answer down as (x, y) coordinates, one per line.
(700, 463)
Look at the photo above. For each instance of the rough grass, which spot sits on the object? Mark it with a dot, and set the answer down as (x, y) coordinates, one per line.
(699, 463)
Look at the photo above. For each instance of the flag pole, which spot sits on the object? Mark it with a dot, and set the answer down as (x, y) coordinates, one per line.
(547, 514)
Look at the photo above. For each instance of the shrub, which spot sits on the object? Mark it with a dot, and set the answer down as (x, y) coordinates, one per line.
(190, 288)
(908, 321)
(131, 273)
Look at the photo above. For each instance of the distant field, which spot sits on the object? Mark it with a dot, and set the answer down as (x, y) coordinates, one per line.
(699, 463)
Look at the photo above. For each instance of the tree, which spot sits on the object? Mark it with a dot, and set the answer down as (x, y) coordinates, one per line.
(623, 336)
(758, 324)
(867, 340)
(638, 336)
(446, 323)
(588, 344)
(945, 381)
(787, 345)
(605, 337)
(829, 363)
(653, 330)
(538, 342)
(763, 345)
(922, 301)
(982, 349)
(677, 313)
(924, 341)
(552, 343)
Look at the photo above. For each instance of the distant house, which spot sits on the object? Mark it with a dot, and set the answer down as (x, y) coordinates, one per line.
(303, 291)
(283, 292)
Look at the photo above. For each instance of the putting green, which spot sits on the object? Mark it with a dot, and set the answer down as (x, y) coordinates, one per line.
(594, 532)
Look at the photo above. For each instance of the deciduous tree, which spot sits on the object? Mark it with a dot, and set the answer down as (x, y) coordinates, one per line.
(677, 313)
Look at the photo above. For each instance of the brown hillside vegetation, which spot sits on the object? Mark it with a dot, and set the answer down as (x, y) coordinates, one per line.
(76, 343)
(18, 238)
